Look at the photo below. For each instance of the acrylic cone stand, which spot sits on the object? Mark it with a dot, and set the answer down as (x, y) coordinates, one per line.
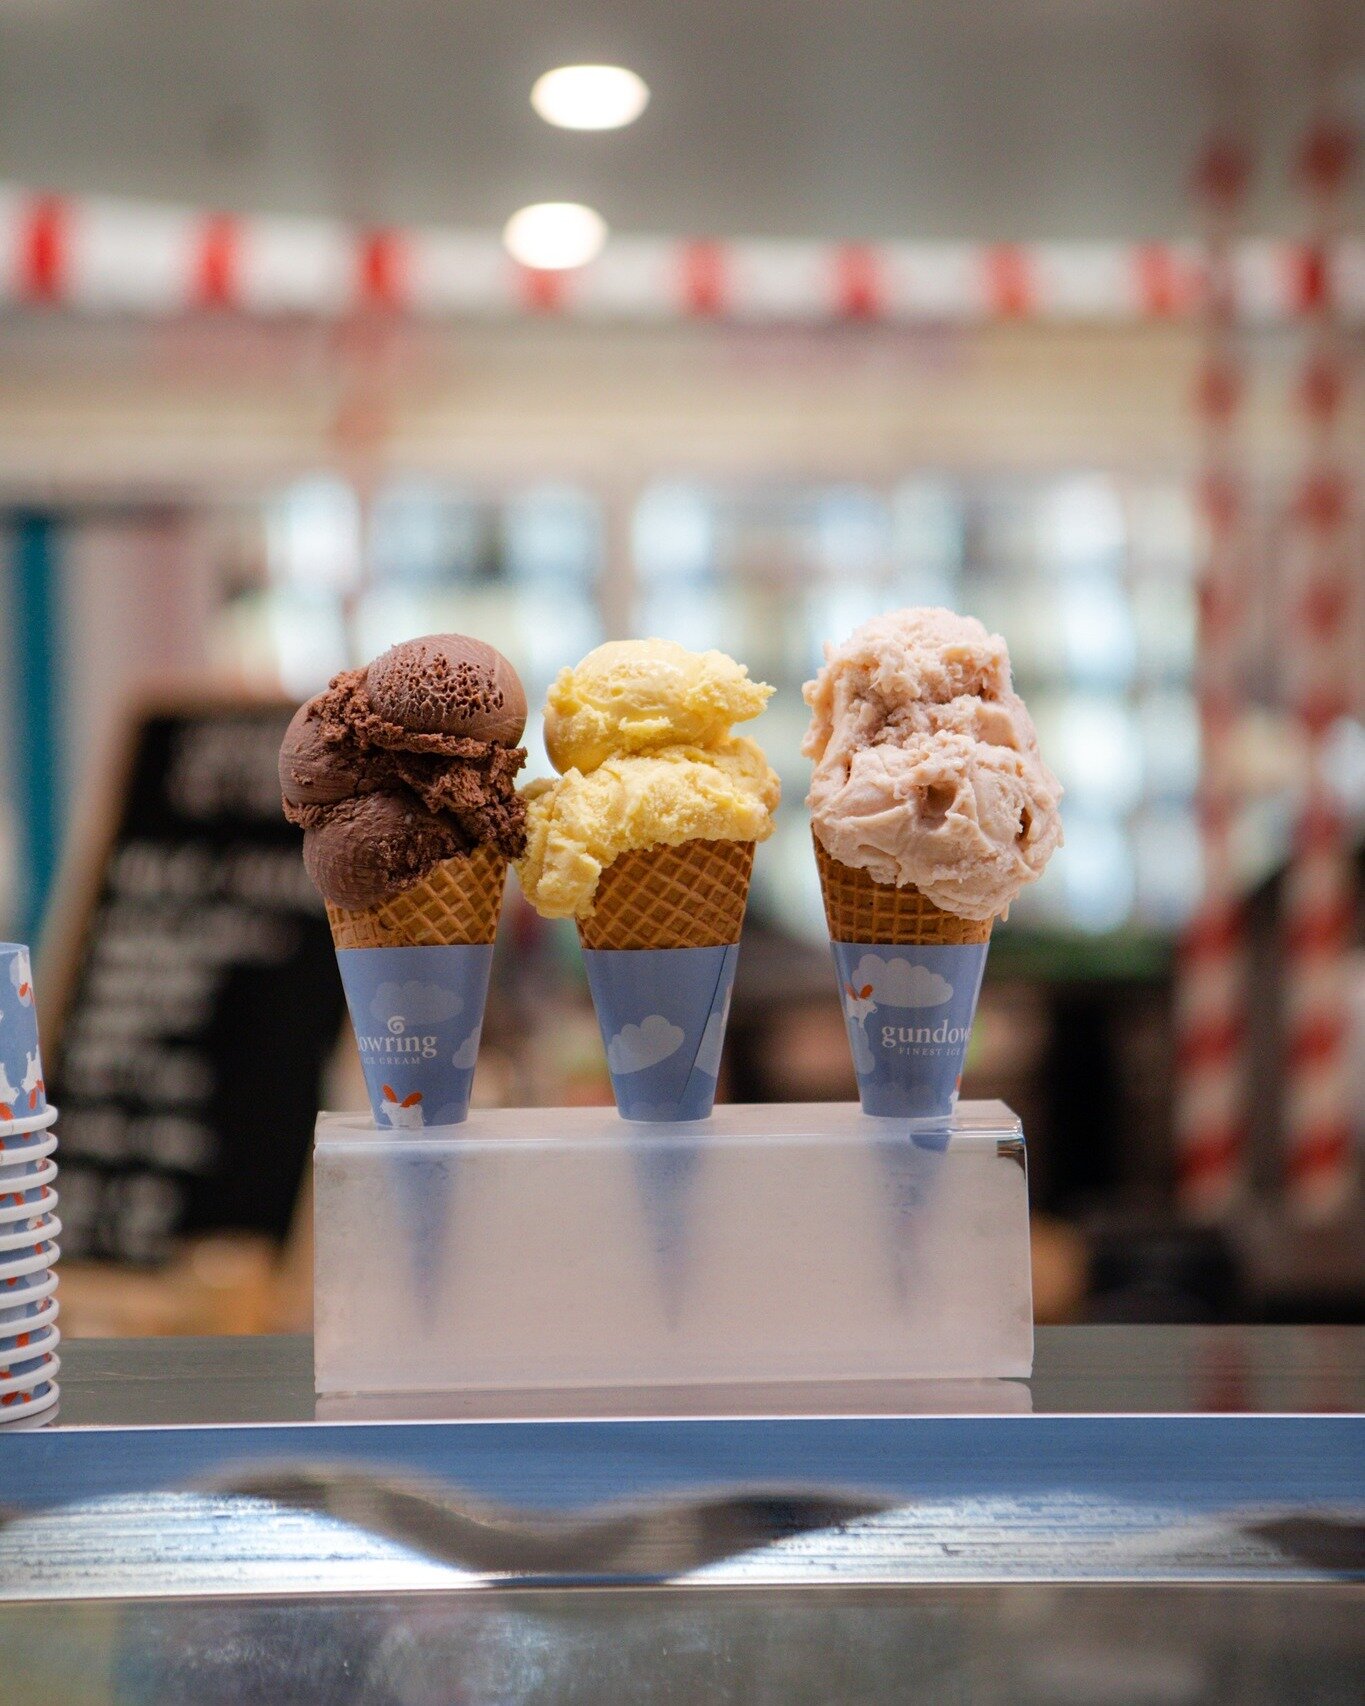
(804, 1242)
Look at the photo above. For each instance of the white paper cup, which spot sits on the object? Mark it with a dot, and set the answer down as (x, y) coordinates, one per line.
(14, 1407)
(46, 1412)
(32, 1200)
(19, 1163)
(39, 1337)
(41, 1315)
(43, 1344)
(25, 1127)
(45, 1256)
(42, 1229)
(17, 1293)
(28, 1372)
(21, 1235)
(42, 1173)
(40, 1344)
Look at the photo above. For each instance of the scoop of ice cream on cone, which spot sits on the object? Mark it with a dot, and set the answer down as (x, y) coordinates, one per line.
(641, 731)
(931, 808)
(581, 825)
(636, 696)
(927, 771)
(647, 839)
(402, 776)
(405, 765)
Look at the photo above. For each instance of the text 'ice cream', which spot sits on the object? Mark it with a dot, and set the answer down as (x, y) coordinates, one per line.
(927, 771)
(640, 731)
(404, 764)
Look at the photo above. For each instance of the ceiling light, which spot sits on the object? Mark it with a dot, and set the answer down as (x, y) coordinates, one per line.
(590, 97)
(553, 235)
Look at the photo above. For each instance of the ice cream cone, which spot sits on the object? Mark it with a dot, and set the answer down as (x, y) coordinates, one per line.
(909, 1011)
(858, 909)
(660, 949)
(457, 903)
(416, 970)
(691, 896)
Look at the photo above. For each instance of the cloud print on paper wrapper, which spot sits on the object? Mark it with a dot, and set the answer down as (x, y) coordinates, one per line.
(636, 1047)
(465, 1057)
(900, 983)
(417, 1003)
(22, 977)
(863, 1058)
(712, 1042)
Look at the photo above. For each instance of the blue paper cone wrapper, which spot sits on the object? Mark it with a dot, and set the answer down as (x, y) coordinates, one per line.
(662, 1013)
(417, 1014)
(22, 1091)
(909, 1013)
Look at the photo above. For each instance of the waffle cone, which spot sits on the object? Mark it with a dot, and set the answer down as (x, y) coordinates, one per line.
(456, 903)
(861, 910)
(691, 896)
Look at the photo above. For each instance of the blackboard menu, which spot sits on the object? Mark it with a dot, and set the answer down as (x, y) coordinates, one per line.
(201, 999)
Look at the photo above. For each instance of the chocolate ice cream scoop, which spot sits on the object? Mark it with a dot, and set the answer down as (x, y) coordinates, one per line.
(400, 766)
(369, 848)
(316, 770)
(447, 684)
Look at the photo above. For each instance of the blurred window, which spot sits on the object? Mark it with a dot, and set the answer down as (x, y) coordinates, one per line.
(313, 537)
(552, 537)
(423, 536)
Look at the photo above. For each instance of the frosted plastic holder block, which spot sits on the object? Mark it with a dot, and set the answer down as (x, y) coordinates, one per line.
(565, 1247)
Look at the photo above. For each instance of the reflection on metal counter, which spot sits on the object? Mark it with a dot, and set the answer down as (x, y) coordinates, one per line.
(816, 1488)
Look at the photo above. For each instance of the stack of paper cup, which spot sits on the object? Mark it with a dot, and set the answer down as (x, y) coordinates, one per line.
(29, 1226)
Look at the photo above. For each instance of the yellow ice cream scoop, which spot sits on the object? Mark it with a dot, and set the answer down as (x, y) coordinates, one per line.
(635, 696)
(577, 825)
(641, 733)
(646, 838)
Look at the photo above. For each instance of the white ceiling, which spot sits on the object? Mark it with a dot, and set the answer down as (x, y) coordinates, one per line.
(992, 119)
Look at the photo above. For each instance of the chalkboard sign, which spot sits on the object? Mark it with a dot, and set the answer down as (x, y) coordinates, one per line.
(199, 999)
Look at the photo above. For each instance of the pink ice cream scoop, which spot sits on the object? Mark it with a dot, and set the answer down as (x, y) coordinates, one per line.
(927, 769)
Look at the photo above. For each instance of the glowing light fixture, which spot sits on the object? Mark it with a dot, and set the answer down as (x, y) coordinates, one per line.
(554, 235)
(590, 97)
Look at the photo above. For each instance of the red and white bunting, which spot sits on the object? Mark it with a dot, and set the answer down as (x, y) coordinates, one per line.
(103, 256)
(1211, 967)
(1317, 584)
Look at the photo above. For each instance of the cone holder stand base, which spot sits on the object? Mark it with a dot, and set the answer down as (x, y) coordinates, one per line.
(564, 1247)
